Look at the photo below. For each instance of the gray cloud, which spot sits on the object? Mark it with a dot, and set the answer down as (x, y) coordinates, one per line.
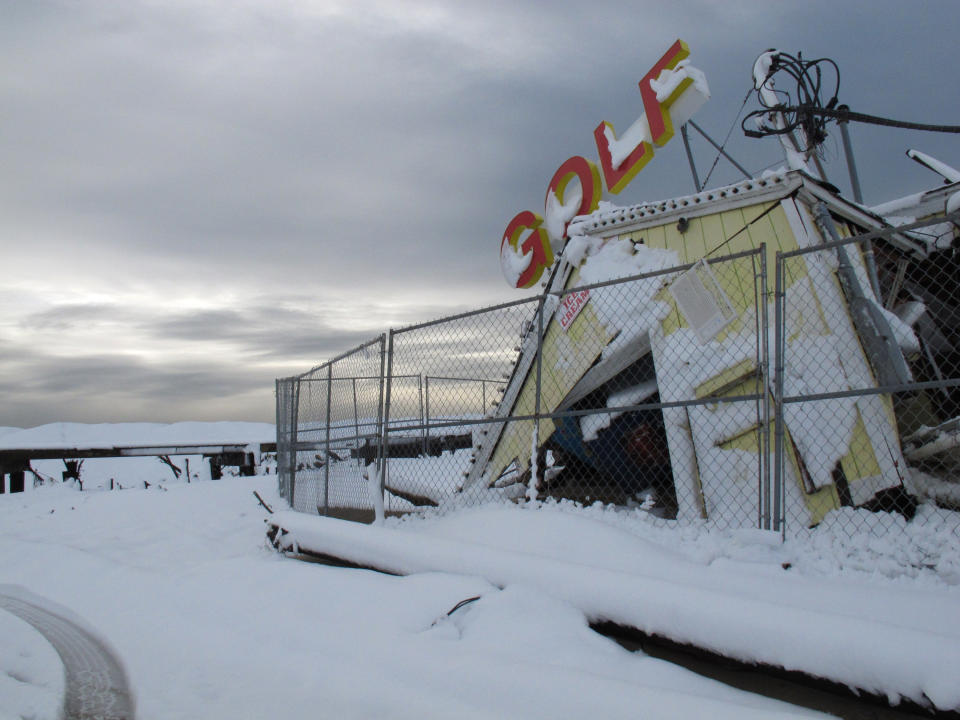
(116, 387)
(259, 332)
(209, 360)
(296, 179)
(70, 317)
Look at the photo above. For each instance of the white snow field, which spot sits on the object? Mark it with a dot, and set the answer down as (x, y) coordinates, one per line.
(31, 675)
(898, 639)
(210, 621)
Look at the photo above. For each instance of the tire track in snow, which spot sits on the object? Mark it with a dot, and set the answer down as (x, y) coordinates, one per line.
(96, 685)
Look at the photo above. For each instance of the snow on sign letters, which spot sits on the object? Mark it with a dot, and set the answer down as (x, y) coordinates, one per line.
(570, 307)
(671, 92)
(702, 301)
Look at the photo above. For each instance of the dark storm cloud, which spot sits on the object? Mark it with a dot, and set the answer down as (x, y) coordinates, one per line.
(302, 149)
(328, 175)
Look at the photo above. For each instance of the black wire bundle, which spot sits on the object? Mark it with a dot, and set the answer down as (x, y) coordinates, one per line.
(810, 113)
(804, 114)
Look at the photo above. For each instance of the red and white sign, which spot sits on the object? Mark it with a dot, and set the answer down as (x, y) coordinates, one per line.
(671, 92)
(570, 307)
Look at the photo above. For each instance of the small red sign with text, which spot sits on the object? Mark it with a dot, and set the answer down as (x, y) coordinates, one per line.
(570, 307)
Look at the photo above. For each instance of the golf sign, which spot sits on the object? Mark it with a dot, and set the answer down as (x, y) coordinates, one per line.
(671, 91)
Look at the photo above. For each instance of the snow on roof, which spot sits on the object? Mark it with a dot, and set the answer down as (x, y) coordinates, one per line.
(609, 216)
(918, 205)
(109, 435)
(611, 219)
(921, 206)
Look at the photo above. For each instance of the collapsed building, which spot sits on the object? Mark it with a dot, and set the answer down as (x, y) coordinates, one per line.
(754, 354)
(861, 323)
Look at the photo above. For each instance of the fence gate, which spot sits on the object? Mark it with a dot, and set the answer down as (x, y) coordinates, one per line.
(868, 370)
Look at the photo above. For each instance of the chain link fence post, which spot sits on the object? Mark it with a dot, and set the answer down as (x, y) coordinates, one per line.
(763, 337)
(423, 433)
(278, 431)
(294, 420)
(779, 352)
(386, 367)
(535, 470)
(426, 412)
(326, 449)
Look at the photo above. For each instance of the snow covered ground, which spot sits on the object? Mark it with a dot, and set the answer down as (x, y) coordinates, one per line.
(31, 675)
(745, 599)
(209, 620)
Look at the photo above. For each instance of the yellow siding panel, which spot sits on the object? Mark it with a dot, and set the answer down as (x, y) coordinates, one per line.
(560, 371)
(821, 502)
(695, 241)
(861, 461)
(721, 383)
(655, 237)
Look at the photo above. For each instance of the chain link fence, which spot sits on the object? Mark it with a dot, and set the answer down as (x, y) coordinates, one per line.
(329, 426)
(701, 393)
(868, 354)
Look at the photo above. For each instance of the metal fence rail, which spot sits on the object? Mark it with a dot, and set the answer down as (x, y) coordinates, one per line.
(775, 411)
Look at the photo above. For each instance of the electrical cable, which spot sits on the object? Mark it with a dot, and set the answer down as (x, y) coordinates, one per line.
(843, 113)
(808, 77)
(723, 145)
(809, 112)
(758, 218)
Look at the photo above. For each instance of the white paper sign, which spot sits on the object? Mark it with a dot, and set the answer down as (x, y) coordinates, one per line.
(703, 302)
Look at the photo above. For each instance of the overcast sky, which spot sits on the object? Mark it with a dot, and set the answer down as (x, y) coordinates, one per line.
(197, 197)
